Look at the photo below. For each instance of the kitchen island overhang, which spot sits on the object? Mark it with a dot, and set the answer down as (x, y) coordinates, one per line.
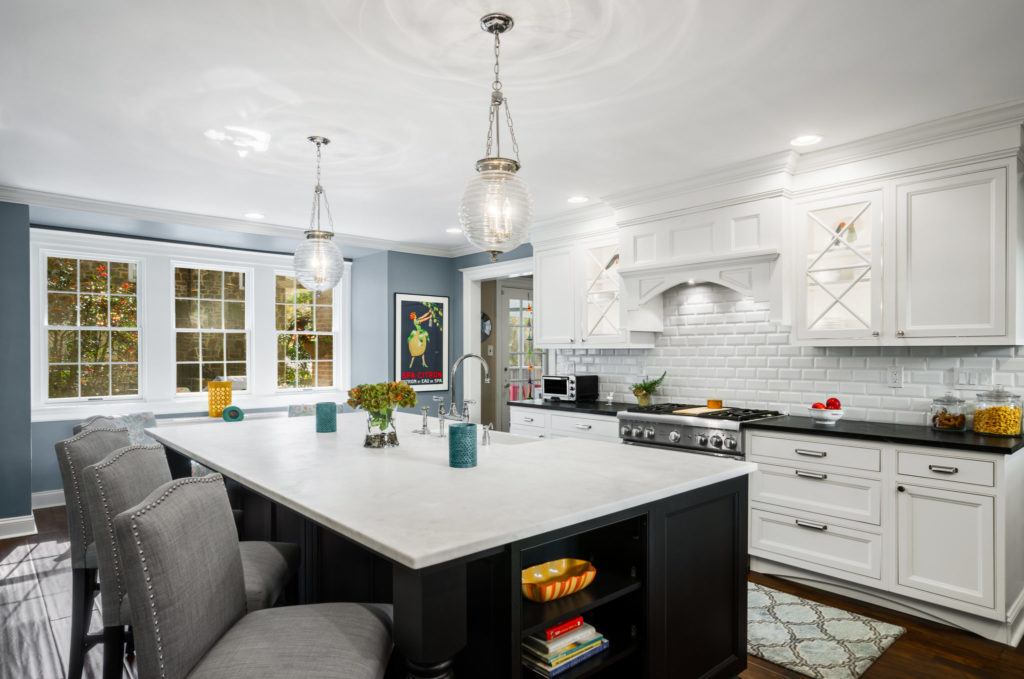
(447, 530)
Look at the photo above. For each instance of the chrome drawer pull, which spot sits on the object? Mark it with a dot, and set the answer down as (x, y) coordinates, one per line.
(809, 524)
(942, 469)
(811, 453)
(527, 419)
(811, 475)
(584, 426)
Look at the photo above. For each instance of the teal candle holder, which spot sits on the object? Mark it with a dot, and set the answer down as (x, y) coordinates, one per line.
(233, 414)
(462, 445)
(326, 418)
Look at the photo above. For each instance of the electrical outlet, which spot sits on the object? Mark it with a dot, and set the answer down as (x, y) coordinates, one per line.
(894, 376)
(970, 378)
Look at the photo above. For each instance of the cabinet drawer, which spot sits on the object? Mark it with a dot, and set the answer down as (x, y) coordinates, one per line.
(820, 452)
(522, 430)
(844, 497)
(814, 542)
(602, 427)
(527, 417)
(958, 469)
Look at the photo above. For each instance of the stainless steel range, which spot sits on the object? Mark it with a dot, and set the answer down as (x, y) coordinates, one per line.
(689, 428)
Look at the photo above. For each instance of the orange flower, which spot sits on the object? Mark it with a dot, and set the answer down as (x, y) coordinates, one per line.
(412, 315)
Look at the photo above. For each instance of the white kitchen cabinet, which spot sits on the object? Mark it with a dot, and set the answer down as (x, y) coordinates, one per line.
(918, 260)
(951, 247)
(945, 544)
(554, 285)
(932, 531)
(839, 264)
(577, 295)
(544, 423)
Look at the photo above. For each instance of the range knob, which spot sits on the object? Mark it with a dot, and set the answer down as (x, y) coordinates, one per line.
(624, 430)
(702, 439)
(637, 431)
(716, 441)
(674, 436)
(649, 433)
(730, 443)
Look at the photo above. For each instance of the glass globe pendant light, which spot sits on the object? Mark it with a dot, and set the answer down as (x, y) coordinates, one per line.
(497, 209)
(318, 261)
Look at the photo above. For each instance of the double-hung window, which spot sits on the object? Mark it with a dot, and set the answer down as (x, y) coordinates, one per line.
(305, 335)
(211, 327)
(92, 328)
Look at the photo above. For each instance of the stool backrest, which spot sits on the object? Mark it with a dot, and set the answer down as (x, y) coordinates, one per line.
(120, 481)
(73, 456)
(183, 571)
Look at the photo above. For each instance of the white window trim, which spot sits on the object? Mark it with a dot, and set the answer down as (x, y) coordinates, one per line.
(250, 317)
(41, 321)
(157, 373)
(336, 306)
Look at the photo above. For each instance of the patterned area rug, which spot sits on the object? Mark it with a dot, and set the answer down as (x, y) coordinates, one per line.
(812, 639)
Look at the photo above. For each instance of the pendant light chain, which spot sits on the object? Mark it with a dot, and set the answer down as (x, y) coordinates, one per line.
(498, 99)
(318, 193)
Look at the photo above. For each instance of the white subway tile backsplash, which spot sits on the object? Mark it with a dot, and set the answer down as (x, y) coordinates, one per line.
(718, 345)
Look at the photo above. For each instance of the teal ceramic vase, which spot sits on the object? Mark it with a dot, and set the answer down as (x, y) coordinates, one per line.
(461, 445)
(326, 418)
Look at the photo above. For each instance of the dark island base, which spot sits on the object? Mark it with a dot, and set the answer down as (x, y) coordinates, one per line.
(670, 594)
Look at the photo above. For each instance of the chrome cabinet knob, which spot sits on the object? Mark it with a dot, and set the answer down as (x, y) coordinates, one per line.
(900, 333)
(875, 333)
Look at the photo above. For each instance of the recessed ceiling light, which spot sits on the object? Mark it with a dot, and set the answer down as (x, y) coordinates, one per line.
(577, 200)
(691, 282)
(254, 215)
(806, 140)
(453, 229)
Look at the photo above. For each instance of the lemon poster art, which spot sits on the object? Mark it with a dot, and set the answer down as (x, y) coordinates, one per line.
(421, 342)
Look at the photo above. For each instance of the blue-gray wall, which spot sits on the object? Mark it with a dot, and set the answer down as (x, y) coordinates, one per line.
(15, 434)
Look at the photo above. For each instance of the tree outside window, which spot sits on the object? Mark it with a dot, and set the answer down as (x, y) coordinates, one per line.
(305, 335)
(210, 322)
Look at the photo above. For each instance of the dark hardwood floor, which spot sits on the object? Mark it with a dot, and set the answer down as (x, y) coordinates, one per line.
(35, 601)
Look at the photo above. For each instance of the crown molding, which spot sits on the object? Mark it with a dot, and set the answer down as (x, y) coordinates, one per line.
(124, 210)
(783, 162)
(968, 123)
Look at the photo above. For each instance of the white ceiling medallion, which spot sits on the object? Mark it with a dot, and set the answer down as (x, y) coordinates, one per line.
(318, 261)
(497, 209)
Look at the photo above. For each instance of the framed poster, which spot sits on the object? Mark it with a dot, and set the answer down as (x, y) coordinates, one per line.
(421, 341)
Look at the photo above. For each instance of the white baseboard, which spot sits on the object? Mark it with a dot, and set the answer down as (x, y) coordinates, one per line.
(17, 526)
(48, 498)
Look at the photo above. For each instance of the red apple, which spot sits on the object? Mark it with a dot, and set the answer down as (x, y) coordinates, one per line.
(818, 406)
(833, 404)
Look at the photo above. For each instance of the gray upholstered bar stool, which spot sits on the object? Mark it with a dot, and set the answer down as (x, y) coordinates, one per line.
(186, 588)
(73, 455)
(123, 479)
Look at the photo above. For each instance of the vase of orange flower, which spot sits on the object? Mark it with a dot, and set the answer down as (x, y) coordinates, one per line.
(379, 401)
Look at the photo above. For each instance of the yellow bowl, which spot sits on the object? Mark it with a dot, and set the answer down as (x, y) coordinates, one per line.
(556, 579)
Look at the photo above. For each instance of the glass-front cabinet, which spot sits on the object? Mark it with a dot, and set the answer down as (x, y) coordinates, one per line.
(839, 291)
(601, 283)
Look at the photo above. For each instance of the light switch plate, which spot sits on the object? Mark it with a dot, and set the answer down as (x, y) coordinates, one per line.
(490, 350)
(894, 376)
(970, 378)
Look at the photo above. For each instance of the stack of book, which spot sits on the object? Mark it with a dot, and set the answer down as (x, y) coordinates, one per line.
(563, 646)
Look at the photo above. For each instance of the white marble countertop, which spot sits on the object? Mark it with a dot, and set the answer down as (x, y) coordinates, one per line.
(409, 505)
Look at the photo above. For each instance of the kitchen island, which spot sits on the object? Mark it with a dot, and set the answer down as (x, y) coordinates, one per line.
(666, 532)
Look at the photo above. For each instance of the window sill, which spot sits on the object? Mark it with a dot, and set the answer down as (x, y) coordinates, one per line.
(179, 407)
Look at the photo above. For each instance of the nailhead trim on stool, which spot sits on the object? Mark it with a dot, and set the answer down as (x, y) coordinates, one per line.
(142, 555)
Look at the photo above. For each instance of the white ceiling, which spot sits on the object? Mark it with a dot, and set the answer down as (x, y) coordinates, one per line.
(109, 100)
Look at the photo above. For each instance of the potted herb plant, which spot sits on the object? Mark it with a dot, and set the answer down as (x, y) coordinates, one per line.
(643, 389)
(379, 401)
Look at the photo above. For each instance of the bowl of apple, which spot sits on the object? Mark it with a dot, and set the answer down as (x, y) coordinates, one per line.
(828, 412)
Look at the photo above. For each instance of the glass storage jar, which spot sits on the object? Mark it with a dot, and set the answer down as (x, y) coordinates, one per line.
(998, 412)
(948, 413)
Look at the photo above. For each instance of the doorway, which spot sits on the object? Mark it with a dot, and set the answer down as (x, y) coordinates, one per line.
(520, 364)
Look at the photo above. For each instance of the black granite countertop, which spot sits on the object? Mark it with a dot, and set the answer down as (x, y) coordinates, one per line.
(908, 434)
(580, 407)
